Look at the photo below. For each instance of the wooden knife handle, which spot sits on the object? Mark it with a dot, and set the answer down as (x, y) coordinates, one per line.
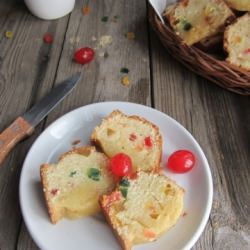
(18, 130)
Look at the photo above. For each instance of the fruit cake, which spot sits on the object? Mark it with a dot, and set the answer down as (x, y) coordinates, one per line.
(194, 20)
(141, 209)
(241, 5)
(237, 42)
(131, 135)
(73, 185)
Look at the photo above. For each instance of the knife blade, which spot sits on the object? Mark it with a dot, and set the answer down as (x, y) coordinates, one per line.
(24, 125)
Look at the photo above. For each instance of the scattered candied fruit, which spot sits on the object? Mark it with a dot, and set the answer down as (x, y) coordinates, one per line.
(130, 35)
(115, 18)
(85, 10)
(125, 81)
(84, 55)
(9, 34)
(105, 19)
(48, 38)
(124, 70)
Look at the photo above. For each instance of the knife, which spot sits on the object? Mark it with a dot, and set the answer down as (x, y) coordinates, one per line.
(24, 125)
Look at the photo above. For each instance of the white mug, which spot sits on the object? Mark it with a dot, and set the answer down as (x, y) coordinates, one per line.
(50, 9)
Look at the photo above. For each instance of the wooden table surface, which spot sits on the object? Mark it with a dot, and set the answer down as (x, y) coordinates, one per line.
(30, 68)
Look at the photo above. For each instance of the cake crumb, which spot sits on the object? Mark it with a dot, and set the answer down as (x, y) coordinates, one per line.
(74, 40)
(184, 214)
(75, 142)
(105, 40)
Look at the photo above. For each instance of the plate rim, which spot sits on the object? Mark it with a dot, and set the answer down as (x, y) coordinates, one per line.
(199, 230)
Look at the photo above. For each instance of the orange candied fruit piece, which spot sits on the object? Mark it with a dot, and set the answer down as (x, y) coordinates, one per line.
(149, 234)
(85, 10)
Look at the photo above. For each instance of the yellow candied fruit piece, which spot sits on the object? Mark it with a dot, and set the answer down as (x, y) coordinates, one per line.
(130, 35)
(8, 34)
(238, 39)
(125, 81)
(209, 10)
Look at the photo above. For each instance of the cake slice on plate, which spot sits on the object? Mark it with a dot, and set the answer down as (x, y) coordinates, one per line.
(143, 208)
(132, 135)
(72, 186)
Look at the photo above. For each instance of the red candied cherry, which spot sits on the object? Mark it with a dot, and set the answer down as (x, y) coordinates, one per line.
(54, 191)
(132, 137)
(84, 55)
(48, 38)
(121, 164)
(247, 51)
(181, 161)
(148, 141)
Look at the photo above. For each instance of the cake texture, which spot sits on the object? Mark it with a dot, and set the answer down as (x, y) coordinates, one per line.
(195, 20)
(72, 186)
(141, 209)
(237, 42)
(241, 5)
(132, 135)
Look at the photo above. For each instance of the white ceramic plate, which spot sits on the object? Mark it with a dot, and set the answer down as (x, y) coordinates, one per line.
(93, 233)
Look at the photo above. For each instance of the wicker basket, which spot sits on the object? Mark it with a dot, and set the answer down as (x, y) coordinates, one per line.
(217, 71)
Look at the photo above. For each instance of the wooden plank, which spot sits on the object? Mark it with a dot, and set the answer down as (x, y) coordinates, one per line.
(25, 242)
(27, 71)
(101, 79)
(219, 120)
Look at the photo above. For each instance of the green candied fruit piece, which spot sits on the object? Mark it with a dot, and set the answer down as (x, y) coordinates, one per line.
(124, 70)
(105, 19)
(124, 191)
(186, 25)
(124, 182)
(94, 174)
(72, 174)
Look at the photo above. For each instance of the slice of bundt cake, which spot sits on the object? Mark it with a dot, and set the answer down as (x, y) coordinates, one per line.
(241, 5)
(73, 185)
(132, 135)
(142, 208)
(237, 42)
(194, 20)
